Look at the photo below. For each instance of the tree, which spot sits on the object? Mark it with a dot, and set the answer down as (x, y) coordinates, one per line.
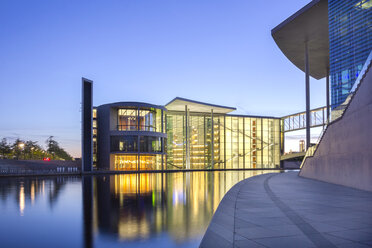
(17, 148)
(4, 147)
(55, 150)
(31, 150)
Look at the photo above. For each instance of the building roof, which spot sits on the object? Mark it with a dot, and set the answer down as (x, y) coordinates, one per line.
(178, 104)
(131, 104)
(308, 24)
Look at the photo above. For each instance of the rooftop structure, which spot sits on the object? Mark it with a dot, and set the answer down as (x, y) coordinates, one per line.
(303, 38)
(179, 103)
(307, 27)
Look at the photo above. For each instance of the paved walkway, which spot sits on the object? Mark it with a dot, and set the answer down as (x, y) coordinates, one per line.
(284, 210)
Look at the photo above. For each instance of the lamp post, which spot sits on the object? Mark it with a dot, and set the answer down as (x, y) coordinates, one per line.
(21, 145)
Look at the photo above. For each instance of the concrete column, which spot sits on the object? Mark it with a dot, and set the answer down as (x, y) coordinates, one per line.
(87, 126)
(281, 143)
(224, 142)
(244, 152)
(282, 137)
(138, 141)
(327, 95)
(307, 81)
(212, 142)
(162, 139)
(187, 137)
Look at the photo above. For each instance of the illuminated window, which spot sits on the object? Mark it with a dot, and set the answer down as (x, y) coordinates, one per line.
(146, 162)
(126, 162)
(127, 119)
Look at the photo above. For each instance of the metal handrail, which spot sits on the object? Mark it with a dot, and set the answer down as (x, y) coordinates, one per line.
(135, 128)
(309, 153)
(362, 72)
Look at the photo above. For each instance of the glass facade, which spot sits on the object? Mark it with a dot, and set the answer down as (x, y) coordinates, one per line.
(350, 41)
(150, 144)
(127, 119)
(127, 143)
(140, 151)
(130, 162)
(156, 139)
(135, 119)
(236, 142)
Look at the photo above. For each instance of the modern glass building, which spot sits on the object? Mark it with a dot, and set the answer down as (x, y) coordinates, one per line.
(183, 135)
(350, 42)
(328, 39)
(130, 136)
(204, 136)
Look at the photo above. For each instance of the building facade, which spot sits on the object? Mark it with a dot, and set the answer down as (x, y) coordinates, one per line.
(350, 42)
(130, 136)
(183, 135)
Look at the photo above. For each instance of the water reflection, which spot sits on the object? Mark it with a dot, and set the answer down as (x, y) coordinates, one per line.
(24, 191)
(143, 207)
(136, 210)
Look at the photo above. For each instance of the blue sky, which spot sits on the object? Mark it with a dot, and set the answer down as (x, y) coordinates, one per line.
(217, 51)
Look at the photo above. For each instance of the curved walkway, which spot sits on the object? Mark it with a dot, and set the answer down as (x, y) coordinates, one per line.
(284, 210)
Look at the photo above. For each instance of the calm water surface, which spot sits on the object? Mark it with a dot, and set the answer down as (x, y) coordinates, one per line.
(131, 210)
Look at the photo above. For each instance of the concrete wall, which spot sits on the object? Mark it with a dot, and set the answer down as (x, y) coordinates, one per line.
(86, 122)
(291, 164)
(103, 137)
(36, 164)
(344, 155)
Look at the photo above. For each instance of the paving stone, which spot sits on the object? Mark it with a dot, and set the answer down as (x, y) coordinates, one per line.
(239, 223)
(261, 232)
(353, 245)
(348, 224)
(284, 210)
(324, 227)
(223, 219)
(354, 235)
(225, 233)
(212, 239)
(367, 242)
(247, 243)
(286, 242)
(336, 240)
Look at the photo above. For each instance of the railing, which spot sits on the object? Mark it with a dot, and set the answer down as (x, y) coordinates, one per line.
(127, 127)
(58, 170)
(309, 153)
(297, 121)
(338, 113)
(150, 128)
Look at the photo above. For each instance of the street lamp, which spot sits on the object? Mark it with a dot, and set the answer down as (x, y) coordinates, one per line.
(21, 145)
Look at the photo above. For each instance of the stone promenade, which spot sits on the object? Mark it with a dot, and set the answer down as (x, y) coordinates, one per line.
(284, 210)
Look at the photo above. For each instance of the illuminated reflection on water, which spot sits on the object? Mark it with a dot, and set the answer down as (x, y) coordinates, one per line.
(138, 210)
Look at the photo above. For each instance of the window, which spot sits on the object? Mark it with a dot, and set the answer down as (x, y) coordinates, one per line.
(147, 120)
(150, 144)
(124, 143)
(132, 119)
(345, 76)
(127, 119)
